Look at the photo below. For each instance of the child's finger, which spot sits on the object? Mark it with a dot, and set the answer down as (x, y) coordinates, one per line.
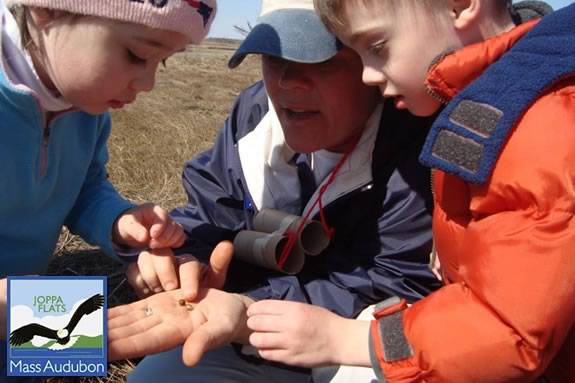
(164, 264)
(133, 232)
(159, 222)
(148, 271)
(265, 323)
(219, 262)
(120, 319)
(267, 341)
(208, 336)
(136, 281)
(277, 355)
(172, 236)
(137, 327)
(268, 307)
(123, 310)
(191, 274)
(179, 237)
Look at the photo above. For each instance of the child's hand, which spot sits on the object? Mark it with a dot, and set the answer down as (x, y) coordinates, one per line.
(147, 225)
(295, 333)
(159, 270)
(159, 323)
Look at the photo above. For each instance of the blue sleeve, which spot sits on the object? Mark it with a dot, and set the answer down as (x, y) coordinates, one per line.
(216, 208)
(99, 204)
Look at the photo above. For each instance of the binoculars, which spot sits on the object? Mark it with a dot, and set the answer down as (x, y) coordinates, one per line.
(266, 243)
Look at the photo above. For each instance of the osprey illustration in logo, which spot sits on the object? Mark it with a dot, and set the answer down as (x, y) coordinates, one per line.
(62, 336)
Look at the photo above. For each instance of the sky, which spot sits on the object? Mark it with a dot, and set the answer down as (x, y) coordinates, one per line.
(234, 12)
(240, 12)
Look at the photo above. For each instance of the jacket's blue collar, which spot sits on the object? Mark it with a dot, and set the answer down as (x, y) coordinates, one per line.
(467, 137)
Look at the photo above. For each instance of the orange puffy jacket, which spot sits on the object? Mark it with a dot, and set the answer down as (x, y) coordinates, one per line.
(507, 251)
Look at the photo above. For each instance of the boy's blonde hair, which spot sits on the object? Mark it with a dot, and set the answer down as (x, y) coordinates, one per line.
(333, 12)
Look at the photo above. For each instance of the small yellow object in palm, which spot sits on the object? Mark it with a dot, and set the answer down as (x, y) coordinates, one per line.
(190, 306)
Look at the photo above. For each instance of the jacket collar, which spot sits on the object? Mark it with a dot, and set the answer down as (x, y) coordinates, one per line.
(468, 136)
(451, 72)
(272, 177)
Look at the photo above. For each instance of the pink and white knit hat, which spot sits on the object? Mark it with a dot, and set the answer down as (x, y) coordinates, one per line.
(192, 18)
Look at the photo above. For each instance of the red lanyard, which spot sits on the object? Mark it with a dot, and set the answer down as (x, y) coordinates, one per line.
(292, 237)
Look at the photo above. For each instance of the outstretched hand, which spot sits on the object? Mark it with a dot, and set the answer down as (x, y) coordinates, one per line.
(159, 323)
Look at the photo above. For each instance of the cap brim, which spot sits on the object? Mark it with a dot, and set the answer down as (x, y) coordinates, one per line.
(292, 34)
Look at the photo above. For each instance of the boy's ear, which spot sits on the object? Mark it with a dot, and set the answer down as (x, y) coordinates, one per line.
(465, 12)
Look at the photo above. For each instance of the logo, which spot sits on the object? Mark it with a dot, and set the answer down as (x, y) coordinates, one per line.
(57, 326)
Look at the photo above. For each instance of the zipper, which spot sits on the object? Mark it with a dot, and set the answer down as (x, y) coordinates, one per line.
(46, 123)
(45, 142)
(433, 254)
(344, 197)
(431, 181)
(436, 96)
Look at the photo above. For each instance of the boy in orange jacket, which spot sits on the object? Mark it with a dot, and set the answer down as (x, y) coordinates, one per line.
(503, 153)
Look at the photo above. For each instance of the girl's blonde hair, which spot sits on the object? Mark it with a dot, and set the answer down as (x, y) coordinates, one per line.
(20, 14)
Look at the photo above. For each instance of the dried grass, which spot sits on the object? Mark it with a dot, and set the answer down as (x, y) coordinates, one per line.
(150, 142)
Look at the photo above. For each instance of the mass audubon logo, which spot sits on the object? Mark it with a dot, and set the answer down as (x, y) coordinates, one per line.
(56, 326)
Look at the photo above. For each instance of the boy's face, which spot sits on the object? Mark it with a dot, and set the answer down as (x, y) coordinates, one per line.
(320, 106)
(97, 64)
(397, 48)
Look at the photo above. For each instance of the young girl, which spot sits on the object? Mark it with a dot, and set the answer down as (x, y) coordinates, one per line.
(63, 65)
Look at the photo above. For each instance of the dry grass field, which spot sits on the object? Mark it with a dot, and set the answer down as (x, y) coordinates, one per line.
(150, 141)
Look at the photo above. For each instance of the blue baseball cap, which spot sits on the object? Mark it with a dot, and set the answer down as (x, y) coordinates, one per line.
(291, 30)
